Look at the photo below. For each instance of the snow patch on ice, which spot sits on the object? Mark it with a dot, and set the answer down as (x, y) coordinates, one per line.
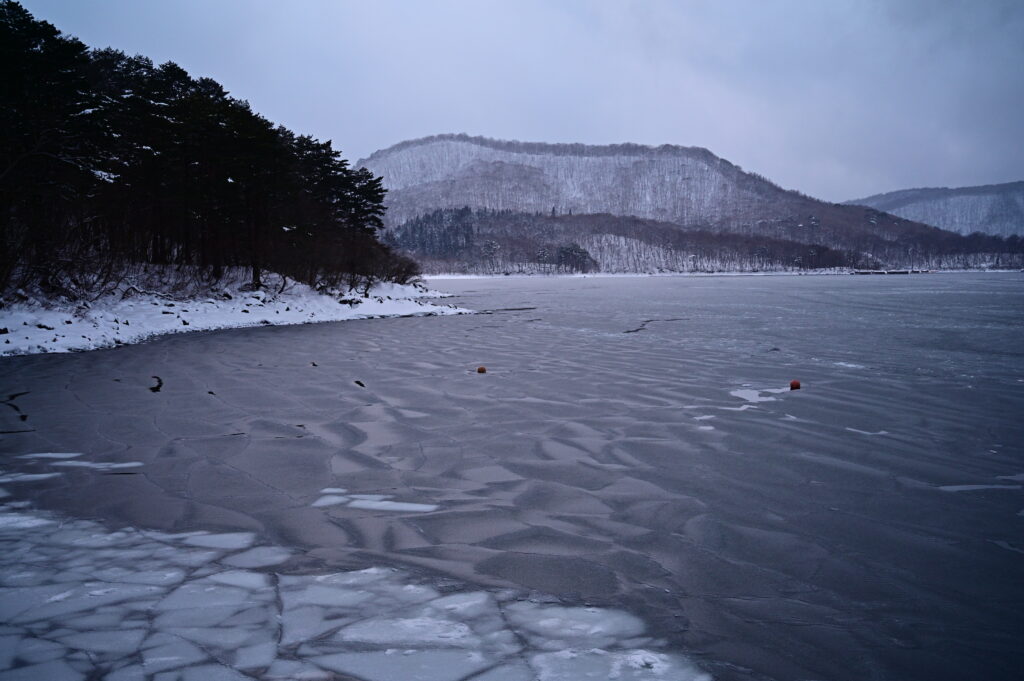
(372, 502)
(98, 465)
(972, 488)
(867, 432)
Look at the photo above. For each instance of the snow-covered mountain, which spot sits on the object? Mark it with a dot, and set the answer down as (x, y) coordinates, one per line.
(684, 185)
(463, 203)
(992, 209)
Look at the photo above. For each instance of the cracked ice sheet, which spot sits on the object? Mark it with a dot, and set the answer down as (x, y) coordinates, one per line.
(167, 610)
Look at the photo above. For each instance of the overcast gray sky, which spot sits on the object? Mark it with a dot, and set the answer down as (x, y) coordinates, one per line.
(836, 98)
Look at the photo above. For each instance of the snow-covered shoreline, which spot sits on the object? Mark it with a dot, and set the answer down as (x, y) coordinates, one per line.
(634, 275)
(35, 327)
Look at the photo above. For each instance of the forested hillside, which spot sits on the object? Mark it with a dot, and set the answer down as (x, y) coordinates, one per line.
(488, 241)
(111, 166)
(996, 209)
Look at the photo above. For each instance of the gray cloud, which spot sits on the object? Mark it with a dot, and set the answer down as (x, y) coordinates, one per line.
(838, 99)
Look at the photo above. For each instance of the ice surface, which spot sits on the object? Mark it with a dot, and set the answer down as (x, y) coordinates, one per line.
(108, 614)
(21, 521)
(50, 455)
(261, 556)
(26, 477)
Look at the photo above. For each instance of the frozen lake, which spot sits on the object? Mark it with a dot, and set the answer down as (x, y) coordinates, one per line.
(632, 447)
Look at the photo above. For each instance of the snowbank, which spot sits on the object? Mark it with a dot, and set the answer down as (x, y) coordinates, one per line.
(33, 327)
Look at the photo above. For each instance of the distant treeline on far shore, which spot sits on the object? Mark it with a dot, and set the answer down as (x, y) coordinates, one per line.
(110, 164)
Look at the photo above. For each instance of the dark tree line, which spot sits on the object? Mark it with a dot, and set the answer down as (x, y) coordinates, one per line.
(109, 162)
(447, 240)
(490, 241)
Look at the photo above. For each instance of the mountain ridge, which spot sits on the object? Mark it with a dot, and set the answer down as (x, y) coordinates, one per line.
(996, 209)
(516, 193)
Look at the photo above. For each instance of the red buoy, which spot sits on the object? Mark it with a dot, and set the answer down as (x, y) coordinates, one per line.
(794, 385)
(481, 370)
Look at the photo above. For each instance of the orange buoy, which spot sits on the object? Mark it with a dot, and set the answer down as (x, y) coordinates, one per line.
(794, 385)
(481, 370)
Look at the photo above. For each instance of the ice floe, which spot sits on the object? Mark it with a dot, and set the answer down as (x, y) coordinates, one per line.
(752, 395)
(372, 502)
(79, 601)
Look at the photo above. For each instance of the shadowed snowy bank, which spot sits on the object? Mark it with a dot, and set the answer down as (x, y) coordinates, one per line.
(33, 327)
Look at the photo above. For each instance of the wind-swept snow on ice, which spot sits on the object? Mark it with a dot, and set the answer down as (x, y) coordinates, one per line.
(80, 601)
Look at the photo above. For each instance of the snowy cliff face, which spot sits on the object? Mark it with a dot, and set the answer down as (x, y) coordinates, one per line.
(685, 185)
(992, 209)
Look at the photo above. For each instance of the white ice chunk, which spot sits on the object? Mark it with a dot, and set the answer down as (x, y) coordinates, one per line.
(241, 578)
(867, 432)
(261, 556)
(122, 641)
(230, 541)
(226, 638)
(330, 500)
(212, 672)
(600, 665)
(751, 395)
(333, 490)
(257, 656)
(195, 617)
(51, 455)
(415, 631)
(399, 506)
(371, 497)
(514, 671)
(556, 627)
(21, 521)
(301, 624)
(99, 465)
(56, 670)
(133, 672)
(419, 665)
(204, 595)
(176, 653)
(325, 596)
(288, 670)
(465, 605)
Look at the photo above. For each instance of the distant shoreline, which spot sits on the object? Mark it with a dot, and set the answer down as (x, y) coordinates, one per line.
(612, 275)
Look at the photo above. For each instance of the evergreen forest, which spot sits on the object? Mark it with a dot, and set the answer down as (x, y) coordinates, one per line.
(112, 168)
